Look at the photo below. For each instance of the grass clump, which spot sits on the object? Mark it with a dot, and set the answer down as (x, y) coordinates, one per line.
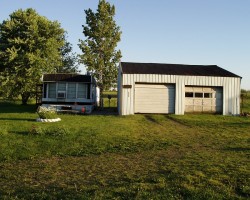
(49, 131)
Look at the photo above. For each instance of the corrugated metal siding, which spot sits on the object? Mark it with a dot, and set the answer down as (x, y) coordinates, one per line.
(231, 90)
(119, 87)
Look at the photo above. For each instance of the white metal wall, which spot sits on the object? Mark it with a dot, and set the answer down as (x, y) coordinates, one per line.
(231, 90)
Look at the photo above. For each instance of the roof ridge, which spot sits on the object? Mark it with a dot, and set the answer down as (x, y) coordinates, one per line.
(175, 69)
(169, 64)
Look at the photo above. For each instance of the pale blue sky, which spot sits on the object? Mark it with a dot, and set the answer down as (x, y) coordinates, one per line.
(165, 31)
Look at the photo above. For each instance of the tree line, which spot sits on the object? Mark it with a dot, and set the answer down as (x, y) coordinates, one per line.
(32, 45)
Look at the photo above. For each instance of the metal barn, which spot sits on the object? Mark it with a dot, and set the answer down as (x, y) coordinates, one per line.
(177, 89)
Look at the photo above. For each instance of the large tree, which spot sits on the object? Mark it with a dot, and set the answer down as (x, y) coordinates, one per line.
(29, 46)
(99, 48)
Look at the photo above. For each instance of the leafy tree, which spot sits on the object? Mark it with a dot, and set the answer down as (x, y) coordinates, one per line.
(29, 46)
(69, 60)
(99, 48)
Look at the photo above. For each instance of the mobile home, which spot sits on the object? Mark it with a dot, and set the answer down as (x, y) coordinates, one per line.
(70, 91)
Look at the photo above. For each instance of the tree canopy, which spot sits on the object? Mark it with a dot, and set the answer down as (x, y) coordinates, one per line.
(99, 48)
(29, 46)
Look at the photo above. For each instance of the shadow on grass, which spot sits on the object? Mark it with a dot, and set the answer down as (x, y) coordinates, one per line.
(180, 122)
(105, 111)
(48, 192)
(24, 133)
(11, 107)
(151, 119)
(237, 149)
(18, 119)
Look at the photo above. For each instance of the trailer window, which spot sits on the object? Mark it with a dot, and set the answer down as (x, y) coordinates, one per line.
(61, 87)
(71, 93)
(52, 90)
(82, 91)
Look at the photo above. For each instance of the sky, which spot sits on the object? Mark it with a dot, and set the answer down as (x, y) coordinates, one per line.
(197, 32)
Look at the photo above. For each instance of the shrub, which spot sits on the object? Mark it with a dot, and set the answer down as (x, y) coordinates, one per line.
(46, 113)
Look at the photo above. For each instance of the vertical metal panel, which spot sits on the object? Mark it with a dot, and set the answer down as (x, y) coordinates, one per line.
(234, 95)
(238, 95)
(226, 95)
(208, 81)
(160, 78)
(132, 89)
(182, 97)
(165, 78)
(179, 95)
(230, 93)
(124, 103)
(119, 85)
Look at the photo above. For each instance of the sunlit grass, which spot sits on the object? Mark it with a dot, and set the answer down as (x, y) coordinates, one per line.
(123, 157)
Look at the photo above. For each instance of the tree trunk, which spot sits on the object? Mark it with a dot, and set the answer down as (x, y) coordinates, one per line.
(25, 98)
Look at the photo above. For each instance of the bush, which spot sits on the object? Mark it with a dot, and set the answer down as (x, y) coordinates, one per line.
(46, 113)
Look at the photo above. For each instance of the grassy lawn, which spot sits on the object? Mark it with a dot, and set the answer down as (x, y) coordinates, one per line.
(245, 106)
(123, 157)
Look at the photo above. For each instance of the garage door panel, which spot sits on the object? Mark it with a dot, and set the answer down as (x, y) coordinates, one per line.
(152, 98)
(207, 89)
(189, 101)
(207, 108)
(197, 102)
(197, 108)
(207, 102)
(189, 108)
(197, 89)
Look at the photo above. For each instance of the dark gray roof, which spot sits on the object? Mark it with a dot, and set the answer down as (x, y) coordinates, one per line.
(175, 69)
(66, 78)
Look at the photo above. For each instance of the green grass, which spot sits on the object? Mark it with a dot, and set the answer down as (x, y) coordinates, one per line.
(110, 103)
(245, 105)
(123, 157)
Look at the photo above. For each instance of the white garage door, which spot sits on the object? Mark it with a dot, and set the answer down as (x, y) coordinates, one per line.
(153, 98)
(203, 99)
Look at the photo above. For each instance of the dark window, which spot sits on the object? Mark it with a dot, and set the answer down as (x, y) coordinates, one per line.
(207, 95)
(71, 93)
(189, 94)
(198, 95)
(45, 90)
(82, 91)
(52, 90)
